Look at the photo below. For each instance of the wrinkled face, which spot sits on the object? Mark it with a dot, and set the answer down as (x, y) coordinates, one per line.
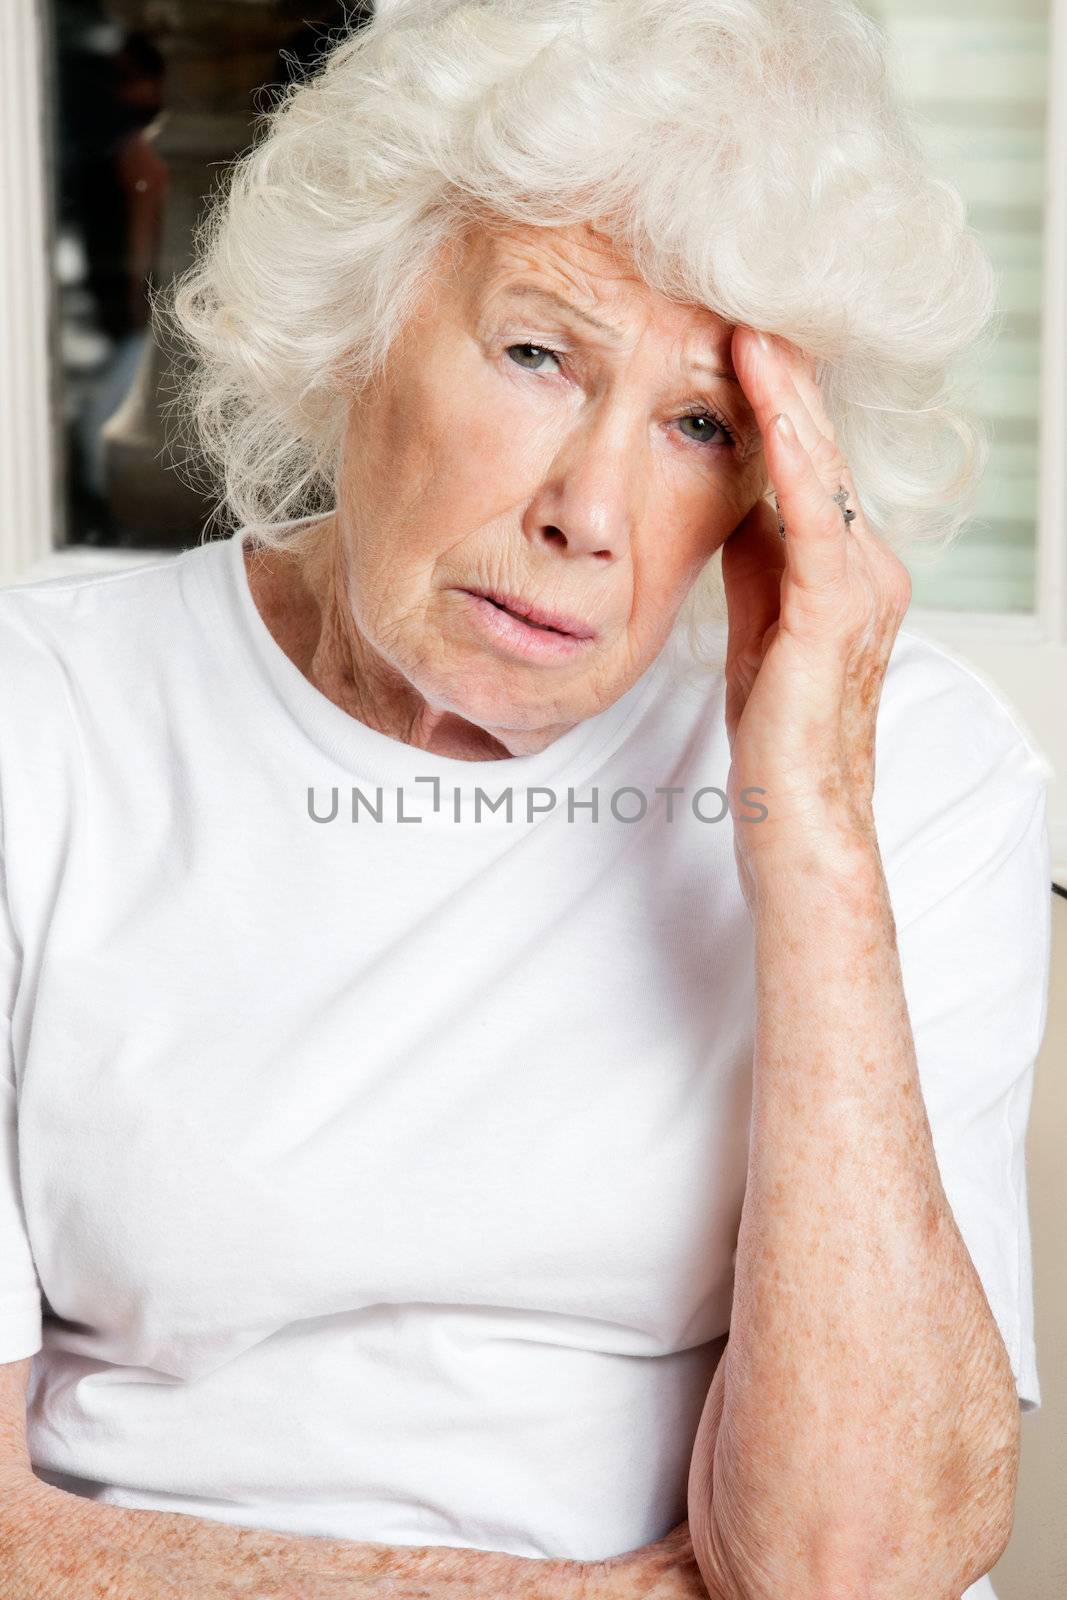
(552, 433)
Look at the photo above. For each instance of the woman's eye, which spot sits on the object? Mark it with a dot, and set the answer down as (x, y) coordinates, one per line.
(708, 425)
(536, 353)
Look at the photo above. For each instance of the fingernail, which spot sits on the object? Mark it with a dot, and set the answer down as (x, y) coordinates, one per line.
(763, 342)
(784, 428)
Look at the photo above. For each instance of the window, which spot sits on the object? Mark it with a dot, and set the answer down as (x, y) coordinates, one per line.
(142, 119)
(977, 73)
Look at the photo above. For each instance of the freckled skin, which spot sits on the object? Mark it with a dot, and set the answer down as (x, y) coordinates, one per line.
(867, 1422)
(861, 1432)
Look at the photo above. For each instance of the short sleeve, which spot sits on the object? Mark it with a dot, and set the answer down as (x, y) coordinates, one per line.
(972, 908)
(20, 1291)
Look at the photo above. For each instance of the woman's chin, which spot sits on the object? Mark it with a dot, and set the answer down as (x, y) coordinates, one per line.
(517, 714)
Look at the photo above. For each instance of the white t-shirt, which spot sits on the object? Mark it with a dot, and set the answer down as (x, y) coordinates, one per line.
(381, 1178)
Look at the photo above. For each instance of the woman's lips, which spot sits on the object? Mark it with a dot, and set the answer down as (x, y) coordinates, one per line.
(537, 616)
(521, 636)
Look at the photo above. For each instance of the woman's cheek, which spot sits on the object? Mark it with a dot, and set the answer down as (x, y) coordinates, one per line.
(512, 442)
(696, 507)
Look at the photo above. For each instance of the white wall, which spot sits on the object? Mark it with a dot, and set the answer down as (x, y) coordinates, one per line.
(1034, 1566)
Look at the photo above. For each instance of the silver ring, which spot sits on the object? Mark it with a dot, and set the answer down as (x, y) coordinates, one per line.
(846, 511)
(841, 497)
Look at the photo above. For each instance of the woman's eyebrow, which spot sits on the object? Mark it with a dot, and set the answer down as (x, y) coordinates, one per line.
(558, 302)
(549, 297)
(727, 374)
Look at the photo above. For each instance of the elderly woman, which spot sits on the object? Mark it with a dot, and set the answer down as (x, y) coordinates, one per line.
(503, 1097)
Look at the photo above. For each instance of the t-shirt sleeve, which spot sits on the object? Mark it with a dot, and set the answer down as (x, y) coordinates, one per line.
(20, 1291)
(971, 902)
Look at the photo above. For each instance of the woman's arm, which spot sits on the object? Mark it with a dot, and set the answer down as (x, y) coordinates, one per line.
(870, 1426)
(868, 1441)
(60, 1546)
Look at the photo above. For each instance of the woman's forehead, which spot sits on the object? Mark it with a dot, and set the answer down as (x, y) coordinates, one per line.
(580, 268)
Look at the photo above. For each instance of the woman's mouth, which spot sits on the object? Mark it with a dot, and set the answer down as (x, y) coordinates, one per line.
(525, 629)
(536, 616)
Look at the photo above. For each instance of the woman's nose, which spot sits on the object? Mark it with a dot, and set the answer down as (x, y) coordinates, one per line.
(587, 501)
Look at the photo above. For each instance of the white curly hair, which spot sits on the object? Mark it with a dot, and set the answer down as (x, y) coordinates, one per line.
(750, 156)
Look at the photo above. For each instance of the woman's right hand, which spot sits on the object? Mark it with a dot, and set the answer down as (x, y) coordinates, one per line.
(664, 1570)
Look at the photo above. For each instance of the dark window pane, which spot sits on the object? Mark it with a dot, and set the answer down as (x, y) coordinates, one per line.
(150, 101)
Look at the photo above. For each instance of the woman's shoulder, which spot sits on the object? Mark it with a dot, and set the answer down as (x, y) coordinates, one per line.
(88, 651)
(57, 610)
(952, 751)
(60, 627)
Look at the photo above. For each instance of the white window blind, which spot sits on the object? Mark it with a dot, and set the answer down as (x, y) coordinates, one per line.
(977, 72)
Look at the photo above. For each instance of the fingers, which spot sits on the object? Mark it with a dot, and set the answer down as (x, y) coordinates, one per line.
(778, 377)
(770, 387)
(818, 536)
(806, 466)
(802, 370)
